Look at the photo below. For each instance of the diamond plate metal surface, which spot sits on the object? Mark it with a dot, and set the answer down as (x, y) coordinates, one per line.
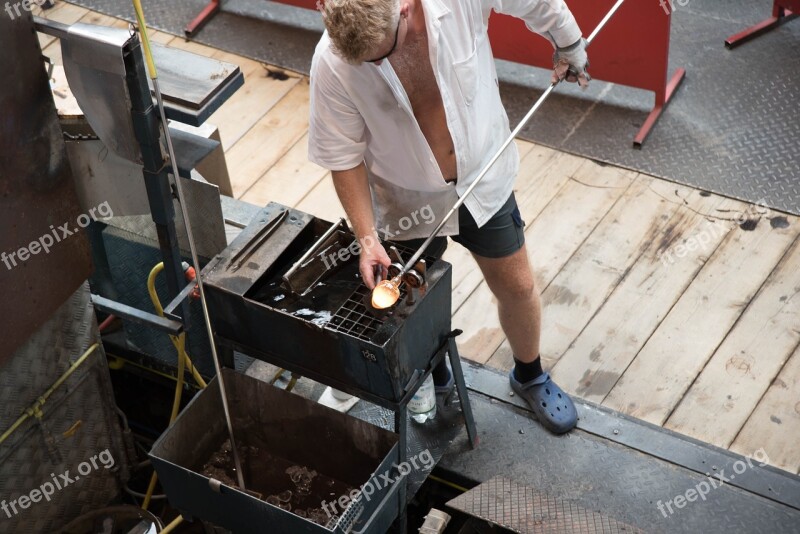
(520, 508)
(38, 196)
(78, 422)
(606, 477)
(131, 256)
(732, 128)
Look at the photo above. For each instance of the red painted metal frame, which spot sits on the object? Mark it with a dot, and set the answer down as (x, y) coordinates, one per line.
(204, 16)
(632, 50)
(782, 10)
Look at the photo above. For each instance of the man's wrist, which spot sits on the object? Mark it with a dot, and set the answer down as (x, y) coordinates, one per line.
(369, 240)
(571, 47)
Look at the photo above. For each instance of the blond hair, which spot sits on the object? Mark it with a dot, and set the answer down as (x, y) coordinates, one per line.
(358, 27)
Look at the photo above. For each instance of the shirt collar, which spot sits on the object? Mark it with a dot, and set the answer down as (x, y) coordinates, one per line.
(435, 8)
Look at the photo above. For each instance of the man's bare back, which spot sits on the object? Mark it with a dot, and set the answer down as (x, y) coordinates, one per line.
(413, 67)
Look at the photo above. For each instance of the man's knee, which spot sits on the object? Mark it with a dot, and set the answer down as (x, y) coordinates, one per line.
(514, 285)
(518, 288)
(511, 278)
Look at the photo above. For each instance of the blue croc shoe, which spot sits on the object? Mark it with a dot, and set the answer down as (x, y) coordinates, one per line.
(551, 406)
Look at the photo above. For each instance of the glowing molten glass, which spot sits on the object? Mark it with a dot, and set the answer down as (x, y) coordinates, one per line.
(386, 294)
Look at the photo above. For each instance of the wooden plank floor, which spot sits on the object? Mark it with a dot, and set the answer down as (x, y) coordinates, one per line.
(663, 302)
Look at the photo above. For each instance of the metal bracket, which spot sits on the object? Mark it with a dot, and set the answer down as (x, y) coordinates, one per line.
(130, 313)
(169, 310)
(239, 258)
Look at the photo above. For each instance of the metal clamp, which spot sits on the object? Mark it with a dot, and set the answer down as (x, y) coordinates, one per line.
(414, 278)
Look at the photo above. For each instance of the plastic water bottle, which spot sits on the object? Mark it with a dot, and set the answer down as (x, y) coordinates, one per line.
(422, 406)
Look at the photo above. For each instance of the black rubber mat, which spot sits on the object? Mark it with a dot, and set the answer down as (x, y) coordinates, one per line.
(733, 127)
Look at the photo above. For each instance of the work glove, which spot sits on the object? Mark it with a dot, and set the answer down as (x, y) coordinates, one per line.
(572, 56)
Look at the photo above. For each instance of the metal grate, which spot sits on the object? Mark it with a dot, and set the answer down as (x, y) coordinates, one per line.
(350, 515)
(519, 508)
(354, 319)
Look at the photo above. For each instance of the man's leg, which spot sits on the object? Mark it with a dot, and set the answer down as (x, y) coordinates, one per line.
(518, 305)
(511, 280)
(499, 248)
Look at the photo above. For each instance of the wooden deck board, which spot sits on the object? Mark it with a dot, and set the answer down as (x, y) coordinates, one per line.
(100, 19)
(289, 180)
(665, 329)
(775, 423)
(589, 191)
(741, 370)
(684, 342)
(554, 236)
(62, 12)
(322, 201)
(262, 90)
(269, 139)
(602, 352)
(602, 262)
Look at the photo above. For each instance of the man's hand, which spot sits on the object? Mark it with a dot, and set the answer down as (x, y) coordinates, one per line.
(373, 259)
(570, 60)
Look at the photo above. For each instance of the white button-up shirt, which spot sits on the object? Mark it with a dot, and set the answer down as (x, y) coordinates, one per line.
(362, 113)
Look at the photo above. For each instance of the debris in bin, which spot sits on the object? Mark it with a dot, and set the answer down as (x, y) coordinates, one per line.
(279, 482)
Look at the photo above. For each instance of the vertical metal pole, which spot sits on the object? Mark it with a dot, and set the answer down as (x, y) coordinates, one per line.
(461, 387)
(156, 178)
(190, 236)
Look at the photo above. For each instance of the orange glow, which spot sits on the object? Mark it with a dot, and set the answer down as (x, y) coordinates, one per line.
(386, 293)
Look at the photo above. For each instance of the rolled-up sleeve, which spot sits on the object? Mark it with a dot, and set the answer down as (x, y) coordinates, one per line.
(549, 18)
(336, 135)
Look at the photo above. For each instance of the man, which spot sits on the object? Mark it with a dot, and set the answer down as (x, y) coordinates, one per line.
(405, 112)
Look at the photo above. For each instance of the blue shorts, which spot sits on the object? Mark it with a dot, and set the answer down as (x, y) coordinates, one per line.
(501, 236)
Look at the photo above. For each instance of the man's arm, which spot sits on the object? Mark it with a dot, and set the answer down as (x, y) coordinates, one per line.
(352, 188)
(553, 20)
(336, 141)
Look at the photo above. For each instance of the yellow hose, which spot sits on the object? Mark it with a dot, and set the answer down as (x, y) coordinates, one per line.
(151, 288)
(176, 403)
(180, 341)
(183, 360)
(448, 483)
(36, 408)
(176, 406)
(148, 55)
(175, 522)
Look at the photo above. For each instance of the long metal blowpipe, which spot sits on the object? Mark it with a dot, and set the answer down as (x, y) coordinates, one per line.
(499, 153)
(151, 66)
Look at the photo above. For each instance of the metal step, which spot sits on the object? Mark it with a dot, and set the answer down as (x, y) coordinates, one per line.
(519, 508)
